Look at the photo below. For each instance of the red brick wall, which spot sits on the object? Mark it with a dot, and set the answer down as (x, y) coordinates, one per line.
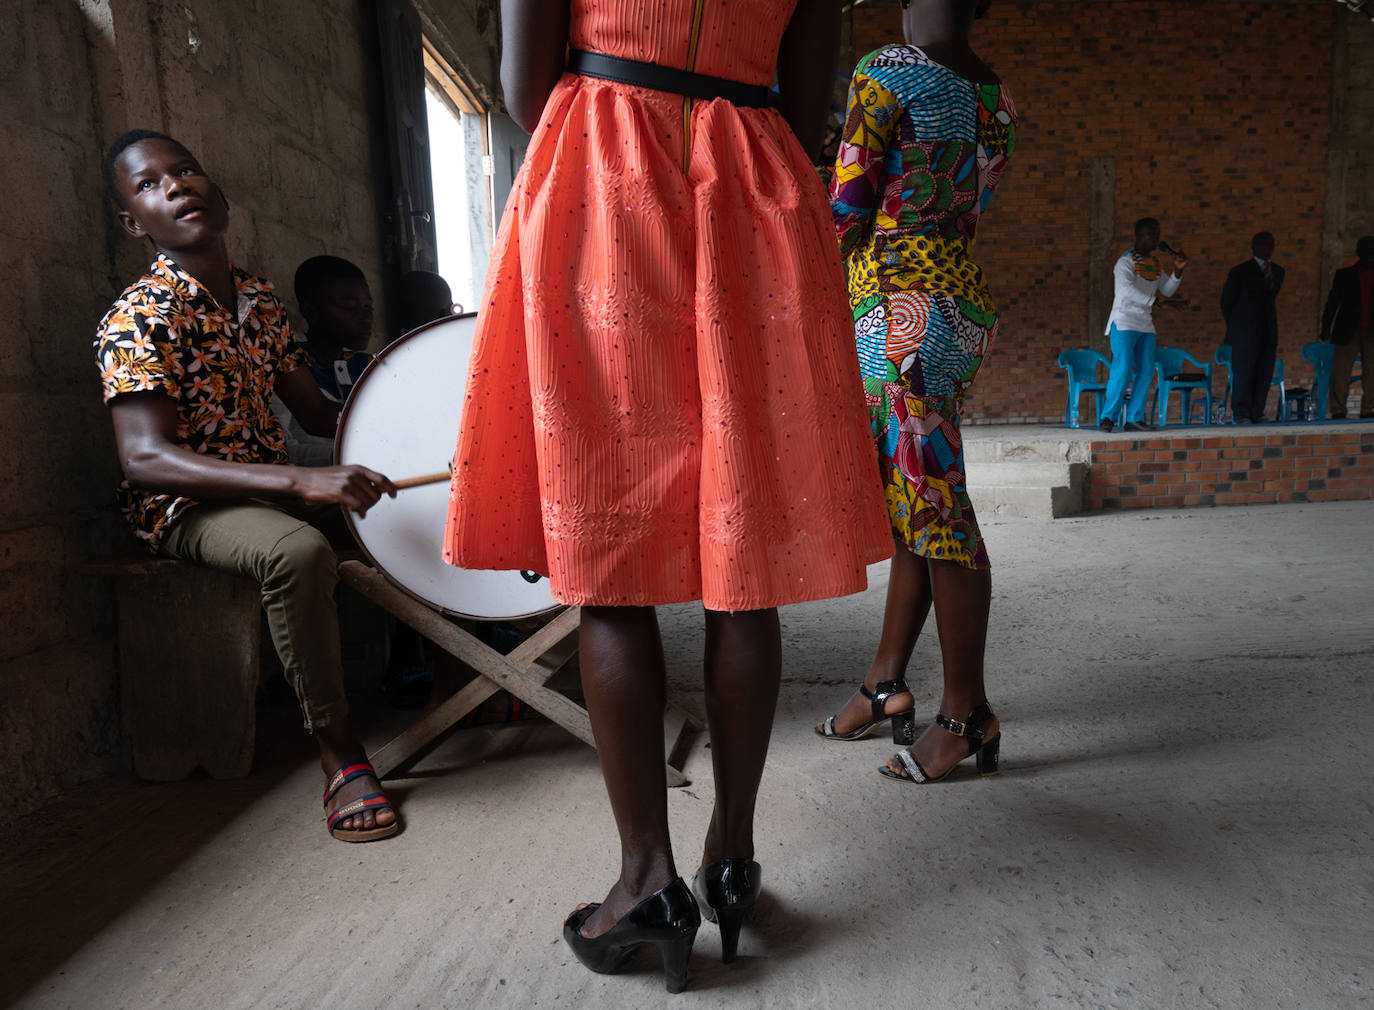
(1333, 464)
(1217, 115)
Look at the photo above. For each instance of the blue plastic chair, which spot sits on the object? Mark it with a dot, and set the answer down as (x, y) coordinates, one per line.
(1320, 354)
(1283, 390)
(1171, 361)
(1297, 404)
(1081, 364)
(1223, 357)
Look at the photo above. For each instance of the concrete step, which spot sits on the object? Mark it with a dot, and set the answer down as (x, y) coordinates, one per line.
(1034, 489)
(1033, 473)
(1044, 450)
(1014, 501)
(1029, 477)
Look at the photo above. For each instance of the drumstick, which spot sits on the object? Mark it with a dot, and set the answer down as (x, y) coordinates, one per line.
(429, 478)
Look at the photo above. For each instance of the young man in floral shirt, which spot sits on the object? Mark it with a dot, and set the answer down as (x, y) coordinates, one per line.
(189, 357)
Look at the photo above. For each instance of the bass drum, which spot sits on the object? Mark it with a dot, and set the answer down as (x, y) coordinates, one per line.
(402, 419)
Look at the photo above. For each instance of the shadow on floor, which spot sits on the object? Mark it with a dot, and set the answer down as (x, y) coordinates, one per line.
(84, 860)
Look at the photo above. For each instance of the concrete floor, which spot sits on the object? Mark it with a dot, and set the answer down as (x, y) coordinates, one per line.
(1183, 820)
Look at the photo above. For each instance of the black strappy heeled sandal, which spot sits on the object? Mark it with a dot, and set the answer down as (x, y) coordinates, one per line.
(668, 919)
(973, 729)
(903, 723)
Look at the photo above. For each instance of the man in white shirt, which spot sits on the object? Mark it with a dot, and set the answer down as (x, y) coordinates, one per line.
(1138, 279)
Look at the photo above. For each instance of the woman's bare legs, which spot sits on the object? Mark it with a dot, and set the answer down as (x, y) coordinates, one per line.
(743, 671)
(963, 598)
(908, 604)
(623, 679)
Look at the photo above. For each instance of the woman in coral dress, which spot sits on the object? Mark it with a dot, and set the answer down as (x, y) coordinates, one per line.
(663, 402)
(926, 140)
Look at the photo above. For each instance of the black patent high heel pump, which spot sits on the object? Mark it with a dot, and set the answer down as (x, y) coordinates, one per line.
(669, 919)
(727, 891)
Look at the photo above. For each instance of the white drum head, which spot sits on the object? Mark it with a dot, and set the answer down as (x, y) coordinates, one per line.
(402, 419)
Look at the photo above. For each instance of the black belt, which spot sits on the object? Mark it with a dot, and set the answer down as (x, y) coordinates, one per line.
(678, 82)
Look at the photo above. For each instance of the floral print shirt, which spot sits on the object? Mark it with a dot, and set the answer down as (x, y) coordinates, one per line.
(168, 333)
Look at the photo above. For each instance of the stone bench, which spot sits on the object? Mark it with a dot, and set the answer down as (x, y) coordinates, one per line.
(189, 653)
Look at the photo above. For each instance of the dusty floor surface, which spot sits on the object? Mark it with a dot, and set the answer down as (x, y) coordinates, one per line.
(1183, 820)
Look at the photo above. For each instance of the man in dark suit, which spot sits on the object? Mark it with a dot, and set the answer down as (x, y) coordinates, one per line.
(1348, 322)
(1249, 306)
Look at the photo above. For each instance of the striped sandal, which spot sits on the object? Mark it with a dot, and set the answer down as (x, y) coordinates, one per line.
(371, 801)
(903, 723)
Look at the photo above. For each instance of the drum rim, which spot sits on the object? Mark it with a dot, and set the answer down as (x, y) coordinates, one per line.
(351, 521)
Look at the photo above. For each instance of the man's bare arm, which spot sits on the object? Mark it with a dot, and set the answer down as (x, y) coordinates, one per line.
(806, 69)
(534, 50)
(145, 434)
(307, 404)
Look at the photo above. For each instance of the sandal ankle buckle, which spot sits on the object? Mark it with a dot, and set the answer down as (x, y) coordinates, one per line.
(952, 725)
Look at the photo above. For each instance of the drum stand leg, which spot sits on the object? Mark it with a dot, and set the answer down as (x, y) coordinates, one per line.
(523, 673)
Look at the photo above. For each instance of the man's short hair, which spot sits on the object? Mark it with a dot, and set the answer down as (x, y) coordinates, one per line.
(122, 143)
(317, 271)
(1262, 236)
(1146, 224)
(424, 285)
(1365, 246)
(424, 296)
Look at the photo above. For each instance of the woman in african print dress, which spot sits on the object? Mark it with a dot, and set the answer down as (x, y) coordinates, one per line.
(926, 140)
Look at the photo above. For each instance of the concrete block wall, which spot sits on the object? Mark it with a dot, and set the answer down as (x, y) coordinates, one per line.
(277, 106)
(279, 101)
(1213, 116)
(58, 698)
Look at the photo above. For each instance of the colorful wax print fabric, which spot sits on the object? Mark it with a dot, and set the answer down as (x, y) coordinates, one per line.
(663, 402)
(166, 333)
(334, 371)
(923, 150)
(1146, 267)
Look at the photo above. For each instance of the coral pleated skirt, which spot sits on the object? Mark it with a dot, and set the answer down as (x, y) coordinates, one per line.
(663, 401)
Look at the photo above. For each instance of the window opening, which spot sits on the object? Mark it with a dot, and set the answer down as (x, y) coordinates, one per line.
(460, 167)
